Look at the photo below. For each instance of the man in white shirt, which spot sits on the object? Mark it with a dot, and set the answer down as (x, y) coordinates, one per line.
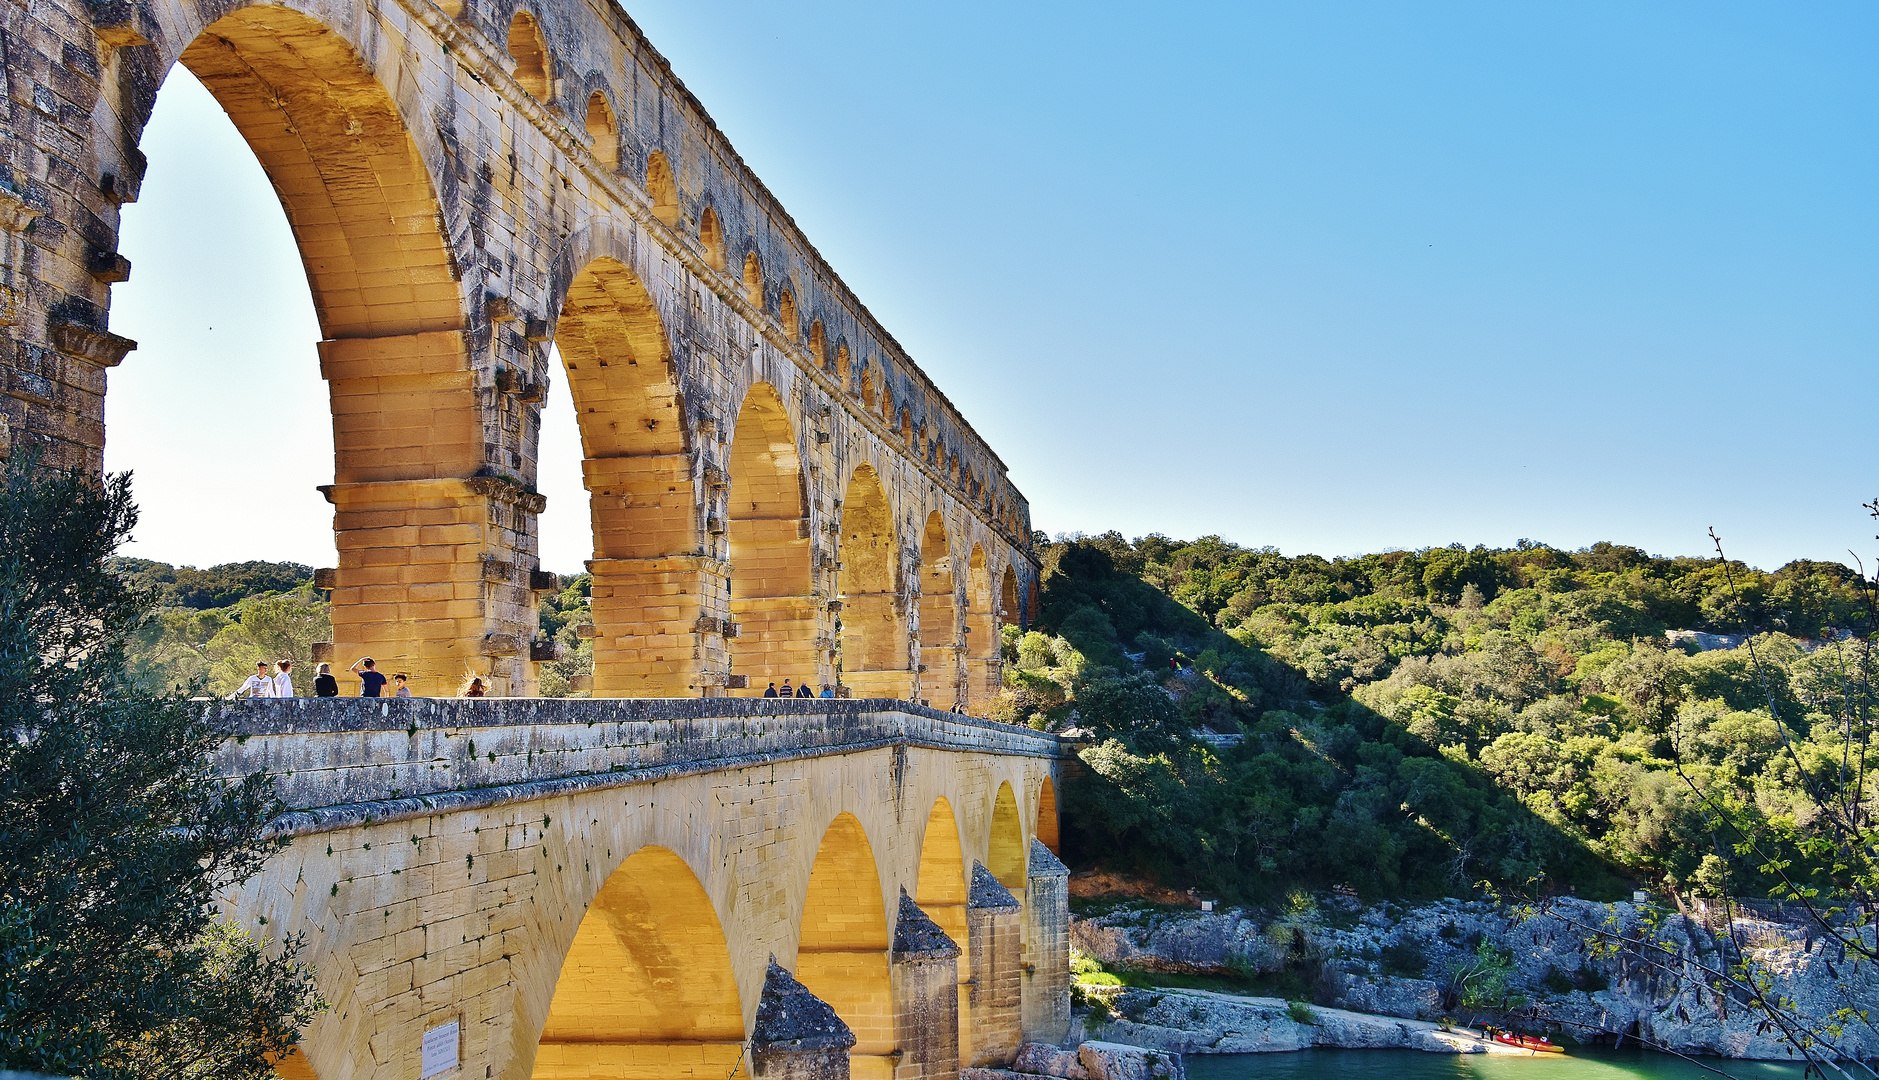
(260, 684)
(283, 681)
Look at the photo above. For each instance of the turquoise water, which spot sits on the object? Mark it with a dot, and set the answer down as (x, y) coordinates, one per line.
(1580, 1064)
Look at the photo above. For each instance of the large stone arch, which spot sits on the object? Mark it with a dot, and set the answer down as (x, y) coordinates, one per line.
(982, 641)
(652, 579)
(942, 890)
(1005, 854)
(1046, 829)
(646, 987)
(416, 525)
(772, 582)
(874, 648)
(1010, 608)
(841, 953)
(939, 617)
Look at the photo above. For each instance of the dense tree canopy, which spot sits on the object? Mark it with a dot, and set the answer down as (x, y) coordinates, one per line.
(1415, 721)
(118, 837)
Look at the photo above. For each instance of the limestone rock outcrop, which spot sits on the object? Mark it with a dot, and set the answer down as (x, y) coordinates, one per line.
(1394, 960)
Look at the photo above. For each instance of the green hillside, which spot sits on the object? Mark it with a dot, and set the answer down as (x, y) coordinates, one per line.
(1413, 722)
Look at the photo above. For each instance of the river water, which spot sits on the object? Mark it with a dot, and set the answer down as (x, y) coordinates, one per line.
(1580, 1064)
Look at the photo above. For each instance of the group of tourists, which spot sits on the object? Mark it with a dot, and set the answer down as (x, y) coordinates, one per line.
(279, 683)
(799, 691)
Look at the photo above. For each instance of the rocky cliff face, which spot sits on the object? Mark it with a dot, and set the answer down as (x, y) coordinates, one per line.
(1401, 961)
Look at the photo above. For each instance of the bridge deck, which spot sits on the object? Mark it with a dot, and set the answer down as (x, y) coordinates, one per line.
(342, 762)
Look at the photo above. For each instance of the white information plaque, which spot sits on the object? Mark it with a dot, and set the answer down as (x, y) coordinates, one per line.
(440, 1050)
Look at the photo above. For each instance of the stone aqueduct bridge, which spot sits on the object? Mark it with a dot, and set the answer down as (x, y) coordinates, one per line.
(596, 888)
(471, 182)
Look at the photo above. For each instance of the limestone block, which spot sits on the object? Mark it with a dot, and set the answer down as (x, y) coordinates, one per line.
(1116, 1061)
(1043, 1059)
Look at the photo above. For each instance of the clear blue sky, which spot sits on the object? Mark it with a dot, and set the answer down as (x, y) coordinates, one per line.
(1331, 277)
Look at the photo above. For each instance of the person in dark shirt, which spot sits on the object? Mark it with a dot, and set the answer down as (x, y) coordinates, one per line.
(370, 681)
(787, 691)
(803, 690)
(324, 685)
(771, 691)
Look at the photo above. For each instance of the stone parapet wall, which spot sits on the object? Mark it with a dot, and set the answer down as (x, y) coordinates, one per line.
(340, 762)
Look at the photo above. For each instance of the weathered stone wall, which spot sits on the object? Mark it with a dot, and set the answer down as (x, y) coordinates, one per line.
(417, 756)
(1046, 944)
(995, 926)
(525, 903)
(470, 183)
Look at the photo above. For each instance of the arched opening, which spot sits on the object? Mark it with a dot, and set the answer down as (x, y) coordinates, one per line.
(887, 401)
(906, 426)
(1009, 611)
(1005, 857)
(941, 891)
(646, 988)
(786, 314)
(363, 215)
(842, 953)
(772, 585)
(1047, 816)
(939, 618)
(867, 386)
(841, 365)
(982, 642)
(874, 655)
(603, 130)
(818, 343)
(662, 189)
(641, 493)
(711, 237)
(753, 280)
(534, 69)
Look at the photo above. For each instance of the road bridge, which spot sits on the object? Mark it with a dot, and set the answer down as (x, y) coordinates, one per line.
(775, 488)
(598, 888)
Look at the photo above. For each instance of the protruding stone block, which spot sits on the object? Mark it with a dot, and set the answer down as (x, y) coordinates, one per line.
(797, 1035)
(1046, 946)
(88, 343)
(924, 971)
(994, 932)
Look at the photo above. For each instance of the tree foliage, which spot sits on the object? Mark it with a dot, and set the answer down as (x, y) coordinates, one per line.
(1417, 721)
(118, 837)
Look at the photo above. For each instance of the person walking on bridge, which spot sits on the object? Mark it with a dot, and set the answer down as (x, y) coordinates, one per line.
(260, 684)
(787, 691)
(283, 679)
(770, 691)
(802, 689)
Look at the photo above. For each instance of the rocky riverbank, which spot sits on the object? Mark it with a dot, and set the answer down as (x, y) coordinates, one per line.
(1205, 1022)
(1414, 963)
